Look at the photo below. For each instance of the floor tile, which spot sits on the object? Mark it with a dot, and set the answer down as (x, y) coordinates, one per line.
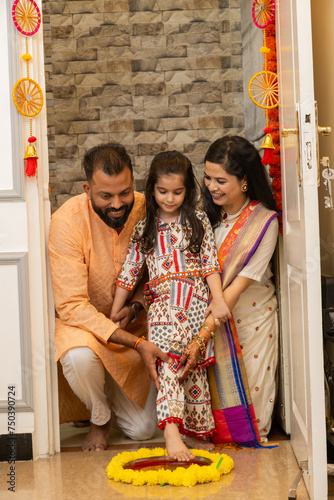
(258, 474)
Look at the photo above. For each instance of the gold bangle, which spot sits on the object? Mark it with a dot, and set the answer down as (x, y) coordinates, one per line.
(211, 332)
(137, 342)
(201, 343)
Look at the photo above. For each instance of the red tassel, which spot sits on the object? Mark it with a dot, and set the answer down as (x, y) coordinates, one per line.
(268, 157)
(31, 158)
(31, 167)
(268, 146)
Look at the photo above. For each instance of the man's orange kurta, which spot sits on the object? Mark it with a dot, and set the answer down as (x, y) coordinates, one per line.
(86, 256)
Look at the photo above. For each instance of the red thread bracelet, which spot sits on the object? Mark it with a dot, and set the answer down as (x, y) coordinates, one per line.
(137, 342)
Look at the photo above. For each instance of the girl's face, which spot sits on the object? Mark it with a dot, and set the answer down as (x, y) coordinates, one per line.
(169, 193)
(224, 188)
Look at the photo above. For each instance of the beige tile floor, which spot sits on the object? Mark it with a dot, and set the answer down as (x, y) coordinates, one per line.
(72, 474)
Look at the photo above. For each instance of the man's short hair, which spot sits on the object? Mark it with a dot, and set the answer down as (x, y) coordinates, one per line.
(110, 158)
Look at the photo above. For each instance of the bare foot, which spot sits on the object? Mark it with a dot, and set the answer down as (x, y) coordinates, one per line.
(176, 449)
(199, 444)
(97, 438)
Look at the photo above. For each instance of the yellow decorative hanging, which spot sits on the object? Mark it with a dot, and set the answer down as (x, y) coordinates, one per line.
(27, 97)
(263, 86)
(27, 94)
(263, 89)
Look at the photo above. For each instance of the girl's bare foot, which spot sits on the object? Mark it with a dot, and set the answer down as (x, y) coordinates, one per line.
(176, 449)
(199, 444)
(97, 438)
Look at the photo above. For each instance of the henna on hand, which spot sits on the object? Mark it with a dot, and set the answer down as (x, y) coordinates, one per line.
(189, 358)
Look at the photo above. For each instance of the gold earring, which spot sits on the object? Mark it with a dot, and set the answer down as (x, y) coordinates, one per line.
(244, 188)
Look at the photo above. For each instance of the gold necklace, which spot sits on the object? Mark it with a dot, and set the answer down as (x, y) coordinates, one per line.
(227, 216)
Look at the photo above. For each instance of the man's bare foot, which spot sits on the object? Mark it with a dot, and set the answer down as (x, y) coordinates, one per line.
(176, 449)
(199, 444)
(97, 438)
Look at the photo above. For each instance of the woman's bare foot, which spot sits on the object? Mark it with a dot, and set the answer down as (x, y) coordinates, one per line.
(176, 449)
(97, 438)
(199, 444)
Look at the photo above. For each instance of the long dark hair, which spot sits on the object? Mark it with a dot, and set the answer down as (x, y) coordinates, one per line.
(240, 158)
(172, 163)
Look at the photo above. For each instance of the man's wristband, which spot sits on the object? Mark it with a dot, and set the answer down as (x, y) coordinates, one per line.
(137, 342)
(136, 307)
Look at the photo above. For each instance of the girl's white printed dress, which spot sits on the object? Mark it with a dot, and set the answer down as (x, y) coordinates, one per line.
(177, 280)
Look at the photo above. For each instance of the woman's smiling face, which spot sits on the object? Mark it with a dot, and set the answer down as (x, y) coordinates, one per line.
(224, 188)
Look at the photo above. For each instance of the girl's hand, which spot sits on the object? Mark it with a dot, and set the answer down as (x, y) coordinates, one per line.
(219, 310)
(123, 317)
(189, 358)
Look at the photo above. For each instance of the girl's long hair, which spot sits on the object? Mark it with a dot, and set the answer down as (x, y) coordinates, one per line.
(172, 163)
(240, 158)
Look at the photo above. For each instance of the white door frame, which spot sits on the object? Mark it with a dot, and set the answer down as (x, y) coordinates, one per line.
(25, 218)
(300, 277)
(46, 439)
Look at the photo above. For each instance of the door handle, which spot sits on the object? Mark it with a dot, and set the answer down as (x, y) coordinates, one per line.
(321, 130)
(287, 131)
(295, 131)
(324, 130)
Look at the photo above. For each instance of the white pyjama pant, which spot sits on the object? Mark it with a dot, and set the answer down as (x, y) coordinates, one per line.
(94, 386)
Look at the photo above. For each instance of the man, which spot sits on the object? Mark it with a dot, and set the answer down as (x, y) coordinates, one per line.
(89, 236)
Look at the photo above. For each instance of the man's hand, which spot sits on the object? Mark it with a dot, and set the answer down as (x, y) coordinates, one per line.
(150, 353)
(189, 358)
(124, 316)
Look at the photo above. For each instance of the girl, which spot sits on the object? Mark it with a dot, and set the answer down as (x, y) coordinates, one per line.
(177, 244)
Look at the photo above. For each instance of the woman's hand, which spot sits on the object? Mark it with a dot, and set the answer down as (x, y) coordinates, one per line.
(219, 310)
(148, 296)
(150, 353)
(189, 358)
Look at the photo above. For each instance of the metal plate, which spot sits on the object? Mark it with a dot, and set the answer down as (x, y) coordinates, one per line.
(163, 462)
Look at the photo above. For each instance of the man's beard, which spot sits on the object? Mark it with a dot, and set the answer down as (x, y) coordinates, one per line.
(113, 223)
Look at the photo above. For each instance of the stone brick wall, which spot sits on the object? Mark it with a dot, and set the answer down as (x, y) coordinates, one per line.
(154, 75)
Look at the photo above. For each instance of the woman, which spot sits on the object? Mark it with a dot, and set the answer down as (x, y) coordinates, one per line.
(239, 203)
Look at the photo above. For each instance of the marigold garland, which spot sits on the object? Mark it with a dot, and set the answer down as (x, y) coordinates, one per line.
(264, 9)
(275, 165)
(179, 477)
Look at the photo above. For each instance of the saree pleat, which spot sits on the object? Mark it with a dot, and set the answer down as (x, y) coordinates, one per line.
(230, 396)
